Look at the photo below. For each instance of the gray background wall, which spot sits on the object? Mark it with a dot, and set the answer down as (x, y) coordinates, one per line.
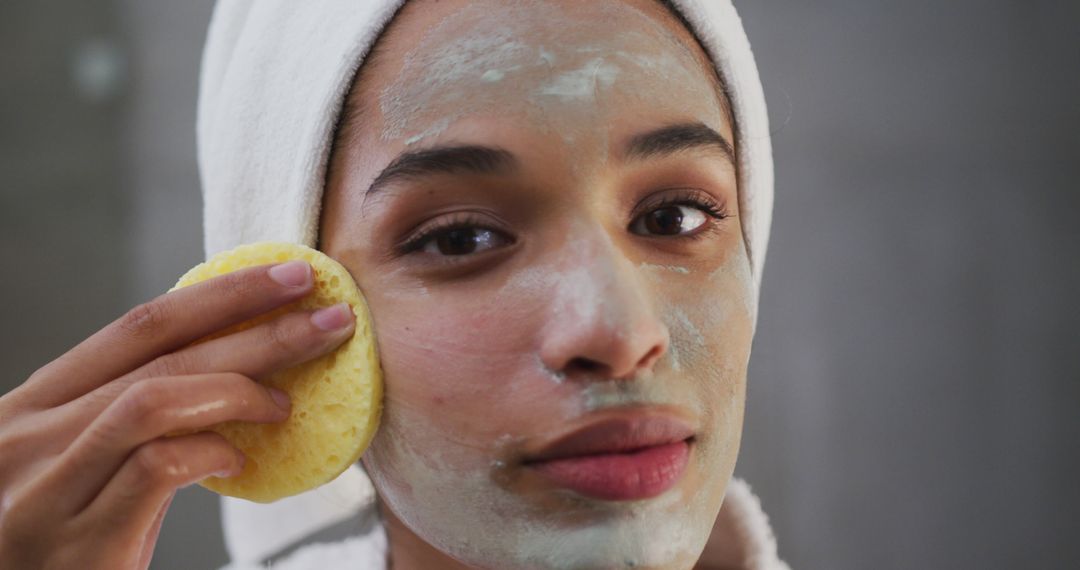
(915, 381)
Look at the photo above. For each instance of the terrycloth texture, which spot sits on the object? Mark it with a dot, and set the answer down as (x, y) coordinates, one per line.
(367, 552)
(749, 527)
(274, 76)
(256, 531)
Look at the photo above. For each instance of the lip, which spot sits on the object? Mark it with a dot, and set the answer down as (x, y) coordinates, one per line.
(625, 455)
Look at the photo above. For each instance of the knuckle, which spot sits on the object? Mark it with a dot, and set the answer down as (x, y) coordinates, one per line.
(9, 407)
(43, 372)
(239, 383)
(282, 339)
(13, 440)
(241, 386)
(13, 515)
(235, 379)
(174, 364)
(145, 321)
(224, 454)
(11, 504)
(142, 403)
(19, 513)
(237, 285)
(157, 463)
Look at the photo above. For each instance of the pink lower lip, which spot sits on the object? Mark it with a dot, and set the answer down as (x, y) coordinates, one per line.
(640, 474)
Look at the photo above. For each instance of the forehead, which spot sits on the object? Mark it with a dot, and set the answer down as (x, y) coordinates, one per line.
(565, 67)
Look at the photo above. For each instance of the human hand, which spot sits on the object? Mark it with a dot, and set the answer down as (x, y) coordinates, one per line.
(88, 469)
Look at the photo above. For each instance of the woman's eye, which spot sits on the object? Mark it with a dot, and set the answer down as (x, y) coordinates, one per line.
(669, 221)
(462, 241)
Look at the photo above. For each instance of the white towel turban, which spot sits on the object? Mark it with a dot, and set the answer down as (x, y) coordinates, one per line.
(275, 74)
(274, 77)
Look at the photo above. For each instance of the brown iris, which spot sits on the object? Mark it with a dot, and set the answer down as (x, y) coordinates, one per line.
(664, 221)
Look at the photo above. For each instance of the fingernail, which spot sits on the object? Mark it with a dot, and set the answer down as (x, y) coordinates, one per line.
(333, 318)
(295, 273)
(280, 398)
(241, 460)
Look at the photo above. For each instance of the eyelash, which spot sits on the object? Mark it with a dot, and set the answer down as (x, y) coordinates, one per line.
(465, 220)
(456, 221)
(693, 199)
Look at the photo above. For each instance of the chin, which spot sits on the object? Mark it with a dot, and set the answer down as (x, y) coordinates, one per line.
(476, 519)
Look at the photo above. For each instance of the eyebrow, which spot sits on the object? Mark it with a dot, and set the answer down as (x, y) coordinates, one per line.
(415, 164)
(676, 138)
(480, 159)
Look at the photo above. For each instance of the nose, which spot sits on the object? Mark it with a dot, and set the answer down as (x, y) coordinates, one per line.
(602, 324)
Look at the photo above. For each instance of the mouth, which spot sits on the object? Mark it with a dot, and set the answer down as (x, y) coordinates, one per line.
(624, 456)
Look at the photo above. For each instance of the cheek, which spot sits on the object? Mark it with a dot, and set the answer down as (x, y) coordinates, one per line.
(726, 324)
(461, 377)
(710, 326)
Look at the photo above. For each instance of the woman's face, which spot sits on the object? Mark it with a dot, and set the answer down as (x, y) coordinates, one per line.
(561, 251)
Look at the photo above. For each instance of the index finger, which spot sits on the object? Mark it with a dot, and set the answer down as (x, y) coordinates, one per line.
(165, 324)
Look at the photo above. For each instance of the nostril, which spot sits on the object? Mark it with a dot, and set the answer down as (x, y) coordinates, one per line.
(584, 365)
(649, 359)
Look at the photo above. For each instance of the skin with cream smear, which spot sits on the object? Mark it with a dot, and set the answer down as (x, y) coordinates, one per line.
(529, 297)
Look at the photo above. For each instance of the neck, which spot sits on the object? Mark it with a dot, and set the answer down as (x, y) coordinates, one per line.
(408, 551)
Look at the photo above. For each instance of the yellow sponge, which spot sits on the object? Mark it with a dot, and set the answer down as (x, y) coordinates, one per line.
(336, 399)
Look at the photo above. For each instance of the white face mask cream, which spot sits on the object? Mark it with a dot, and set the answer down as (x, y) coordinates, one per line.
(531, 60)
(472, 383)
(458, 493)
